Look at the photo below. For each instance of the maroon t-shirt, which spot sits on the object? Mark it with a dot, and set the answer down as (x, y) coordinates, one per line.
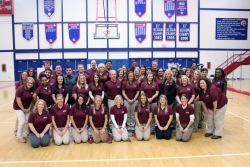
(196, 89)
(163, 116)
(118, 113)
(130, 89)
(104, 77)
(211, 95)
(83, 91)
(44, 93)
(158, 81)
(96, 90)
(90, 72)
(177, 81)
(61, 90)
(150, 90)
(217, 83)
(188, 90)
(39, 121)
(52, 75)
(88, 79)
(79, 116)
(98, 118)
(112, 89)
(60, 115)
(154, 71)
(26, 97)
(17, 84)
(166, 85)
(51, 83)
(143, 115)
(184, 113)
(143, 80)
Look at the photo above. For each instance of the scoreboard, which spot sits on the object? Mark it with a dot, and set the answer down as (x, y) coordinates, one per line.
(6, 7)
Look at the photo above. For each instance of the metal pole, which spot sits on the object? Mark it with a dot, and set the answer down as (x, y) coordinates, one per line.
(241, 66)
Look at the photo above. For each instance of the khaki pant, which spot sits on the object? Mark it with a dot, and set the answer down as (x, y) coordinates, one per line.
(111, 103)
(215, 122)
(61, 140)
(82, 137)
(197, 111)
(183, 136)
(152, 124)
(142, 135)
(131, 114)
(99, 138)
(22, 128)
(118, 136)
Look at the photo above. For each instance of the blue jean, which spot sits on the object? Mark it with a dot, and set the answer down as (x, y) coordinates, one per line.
(164, 134)
(36, 142)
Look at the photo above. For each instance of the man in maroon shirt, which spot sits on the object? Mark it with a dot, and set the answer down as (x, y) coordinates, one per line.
(134, 64)
(47, 65)
(154, 67)
(92, 70)
(108, 65)
(59, 70)
(80, 69)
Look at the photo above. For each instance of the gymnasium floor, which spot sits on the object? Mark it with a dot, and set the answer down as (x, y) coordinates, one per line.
(232, 150)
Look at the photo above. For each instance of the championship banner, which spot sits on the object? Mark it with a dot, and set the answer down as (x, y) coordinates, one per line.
(184, 31)
(140, 7)
(169, 7)
(74, 32)
(49, 7)
(27, 31)
(50, 32)
(170, 31)
(140, 31)
(181, 7)
(157, 31)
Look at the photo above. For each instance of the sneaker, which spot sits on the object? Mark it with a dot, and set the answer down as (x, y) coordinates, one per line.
(134, 135)
(128, 140)
(109, 140)
(22, 140)
(91, 140)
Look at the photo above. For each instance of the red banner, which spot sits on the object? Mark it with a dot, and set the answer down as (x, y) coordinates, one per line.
(6, 7)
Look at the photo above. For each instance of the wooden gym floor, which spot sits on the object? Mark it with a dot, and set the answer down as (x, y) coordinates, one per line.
(232, 150)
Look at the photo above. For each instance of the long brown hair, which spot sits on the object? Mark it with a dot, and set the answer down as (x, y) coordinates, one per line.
(159, 104)
(97, 97)
(147, 103)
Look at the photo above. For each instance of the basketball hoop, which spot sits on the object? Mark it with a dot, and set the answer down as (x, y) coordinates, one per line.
(106, 33)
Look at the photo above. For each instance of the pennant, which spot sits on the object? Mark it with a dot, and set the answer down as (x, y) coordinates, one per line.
(50, 32)
(140, 31)
(140, 7)
(157, 30)
(169, 8)
(184, 31)
(170, 31)
(74, 32)
(49, 7)
(27, 29)
(181, 7)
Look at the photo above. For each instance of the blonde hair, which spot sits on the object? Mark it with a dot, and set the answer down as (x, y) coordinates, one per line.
(58, 95)
(116, 97)
(140, 76)
(183, 77)
(30, 79)
(171, 79)
(166, 105)
(35, 110)
(199, 73)
(78, 84)
(101, 65)
(98, 97)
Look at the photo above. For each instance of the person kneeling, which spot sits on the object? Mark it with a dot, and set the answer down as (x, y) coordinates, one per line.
(98, 119)
(39, 124)
(185, 119)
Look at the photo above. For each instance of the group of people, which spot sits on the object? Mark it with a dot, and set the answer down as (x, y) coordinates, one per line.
(101, 105)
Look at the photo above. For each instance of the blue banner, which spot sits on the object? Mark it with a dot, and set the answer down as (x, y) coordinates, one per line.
(157, 30)
(74, 32)
(170, 31)
(27, 31)
(140, 7)
(49, 7)
(50, 32)
(231, 28)
(181, 7)
(140, 31)
(184, 31)
(169, 7)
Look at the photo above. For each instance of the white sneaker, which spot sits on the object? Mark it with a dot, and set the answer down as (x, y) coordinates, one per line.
(22, 140)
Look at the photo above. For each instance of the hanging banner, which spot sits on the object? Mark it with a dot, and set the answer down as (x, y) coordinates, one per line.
(231, 28)
(140, 31)
(181, 7)
(184, 31)
(169, 7)
(170, 31)
(49, 7)
(157, 31)
(140, 7)
(50, 32)
(27, 31)
(6, 7)
(74, 32)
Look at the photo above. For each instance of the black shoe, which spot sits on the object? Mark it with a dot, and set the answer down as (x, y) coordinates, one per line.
(215, 137)
(208, 134)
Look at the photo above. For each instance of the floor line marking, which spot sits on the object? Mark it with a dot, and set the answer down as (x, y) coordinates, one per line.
(128, 159)
(6, 104)
(238, 116)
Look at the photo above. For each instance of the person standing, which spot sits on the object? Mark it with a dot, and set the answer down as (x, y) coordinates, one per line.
(143, 117)
(80, 68)
(168, 87)
(22, 106)
(154, 67)
(108, 65)
(39, 124)
(70, 81)
(184, 119)
(134, 65)
(90, 72)
(60, 88)
(95, 88)
(47, 65)
(214, 103)
(220, 80)
(81, 87)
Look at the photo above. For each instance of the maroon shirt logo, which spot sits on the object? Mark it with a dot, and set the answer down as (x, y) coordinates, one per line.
(188, 89)
(44, 117)
(104, 76)
(118, 86)
(64, 110)
(207, 95)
